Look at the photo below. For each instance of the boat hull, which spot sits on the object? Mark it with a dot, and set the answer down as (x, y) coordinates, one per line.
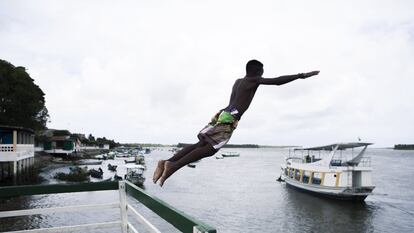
(330, 196)
(331, 192)
(339, 193)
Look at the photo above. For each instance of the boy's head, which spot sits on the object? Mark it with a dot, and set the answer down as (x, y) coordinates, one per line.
(254, 68)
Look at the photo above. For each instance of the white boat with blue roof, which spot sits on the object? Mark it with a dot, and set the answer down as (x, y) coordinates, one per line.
(330, 170)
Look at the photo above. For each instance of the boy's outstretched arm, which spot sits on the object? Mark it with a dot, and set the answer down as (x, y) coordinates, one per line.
(286, 78)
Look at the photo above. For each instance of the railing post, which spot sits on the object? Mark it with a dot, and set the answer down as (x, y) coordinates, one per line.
(123, 206)
(14, 140)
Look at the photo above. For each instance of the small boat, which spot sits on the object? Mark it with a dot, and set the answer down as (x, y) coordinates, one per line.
(129, 159)
(191, 165)
(116, 177)
(335, 174)
(110, 155)
(96, 173)
(135, 174)
(230, 154)
(112, 167)
(140, 159)
(101, 157)
(132, 172)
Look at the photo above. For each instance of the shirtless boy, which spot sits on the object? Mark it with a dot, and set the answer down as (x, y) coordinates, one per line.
(218, 132)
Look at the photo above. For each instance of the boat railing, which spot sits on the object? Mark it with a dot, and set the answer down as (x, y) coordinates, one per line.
(365, 162)
(305, 159)
(295, 159)
(178, 219)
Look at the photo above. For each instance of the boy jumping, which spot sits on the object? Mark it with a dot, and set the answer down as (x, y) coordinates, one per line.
(218, 132)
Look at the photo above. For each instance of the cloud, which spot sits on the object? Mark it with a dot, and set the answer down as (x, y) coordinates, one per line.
(157, 71)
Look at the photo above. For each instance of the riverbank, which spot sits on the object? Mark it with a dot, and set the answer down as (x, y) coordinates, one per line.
(44, 162)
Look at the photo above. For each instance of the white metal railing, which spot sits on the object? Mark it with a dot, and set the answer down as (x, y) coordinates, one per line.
(178, 219)
(365, 162)
(22, 151)
(78, 228)
(24, 147)
(94, 226)
(122, 205)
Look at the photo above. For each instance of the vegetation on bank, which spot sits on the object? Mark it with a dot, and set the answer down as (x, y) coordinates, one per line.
(22, 103)
(77, 174)
(91, 141)
(404, 147)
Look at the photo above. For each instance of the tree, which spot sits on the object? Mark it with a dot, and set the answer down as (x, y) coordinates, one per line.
(91, 138)
(61, 132)
(22, 103)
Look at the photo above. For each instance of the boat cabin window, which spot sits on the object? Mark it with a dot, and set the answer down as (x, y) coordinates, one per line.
(291, 170)
(336, 162)
(316, 178)
(297, 174)
(306, 176)
(286, 171)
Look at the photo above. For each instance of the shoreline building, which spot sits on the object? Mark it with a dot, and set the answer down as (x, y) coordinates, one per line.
(16, 150)
(62, 144)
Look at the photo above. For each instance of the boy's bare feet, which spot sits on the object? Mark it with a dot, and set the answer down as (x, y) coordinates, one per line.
(168, 171)
(158, 171)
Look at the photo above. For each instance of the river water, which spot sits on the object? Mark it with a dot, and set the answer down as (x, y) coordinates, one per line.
(242, 195)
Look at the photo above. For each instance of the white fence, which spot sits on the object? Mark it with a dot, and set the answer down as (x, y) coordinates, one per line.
(9, 154)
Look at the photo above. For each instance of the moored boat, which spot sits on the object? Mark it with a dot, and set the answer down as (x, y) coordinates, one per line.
(337, 174)
(230, 154)
(132, 172)
(96, 173)
(112, 167)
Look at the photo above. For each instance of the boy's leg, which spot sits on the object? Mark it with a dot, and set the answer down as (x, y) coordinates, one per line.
(160, 166)
(170, 167)
(185, 151)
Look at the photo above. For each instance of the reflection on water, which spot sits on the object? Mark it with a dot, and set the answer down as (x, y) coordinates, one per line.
(242, 195)
(317, 214)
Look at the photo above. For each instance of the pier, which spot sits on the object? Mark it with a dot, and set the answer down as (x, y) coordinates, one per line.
(16, 151)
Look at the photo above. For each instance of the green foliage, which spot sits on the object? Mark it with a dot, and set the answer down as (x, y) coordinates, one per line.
(103, 141)
(22, 102)
(91, 138)
(61, 132)
(99, 141)
(76, 174)
(404, 147)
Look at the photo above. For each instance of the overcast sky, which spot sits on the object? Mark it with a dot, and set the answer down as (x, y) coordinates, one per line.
(156, 71)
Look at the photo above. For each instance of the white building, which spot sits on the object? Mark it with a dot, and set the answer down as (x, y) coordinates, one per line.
(16, 150)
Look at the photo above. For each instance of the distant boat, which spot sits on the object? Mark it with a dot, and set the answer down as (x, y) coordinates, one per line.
(230, 154)
(112, 167)
(191, 165)
(96, 173)
(331, 175)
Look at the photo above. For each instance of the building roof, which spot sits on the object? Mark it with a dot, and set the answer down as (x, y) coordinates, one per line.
(9, 127)
(60, 138)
